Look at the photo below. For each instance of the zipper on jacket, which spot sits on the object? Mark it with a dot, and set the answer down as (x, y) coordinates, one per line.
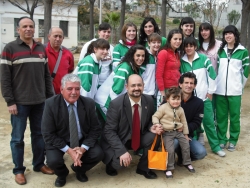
(228, 60)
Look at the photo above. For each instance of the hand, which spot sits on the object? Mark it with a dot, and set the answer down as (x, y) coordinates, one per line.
(180, 129)
(79, 152)
(125, 159)
(75, 156)
(13, 109)
(188, 139)
(210, 96)
(157, 129)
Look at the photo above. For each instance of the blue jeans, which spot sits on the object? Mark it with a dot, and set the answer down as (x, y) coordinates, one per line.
(197, 150)
(19, 122)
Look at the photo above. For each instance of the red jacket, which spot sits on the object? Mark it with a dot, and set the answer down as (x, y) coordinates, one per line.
(66, 65)
(167, 69)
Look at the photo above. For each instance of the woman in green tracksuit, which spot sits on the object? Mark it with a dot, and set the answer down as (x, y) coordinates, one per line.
(233, 67)
(136, 57)
(90, 67)
(201, 66)
(128, 39)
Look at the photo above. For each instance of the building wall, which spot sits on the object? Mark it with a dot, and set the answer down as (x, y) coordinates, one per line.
(8, 13)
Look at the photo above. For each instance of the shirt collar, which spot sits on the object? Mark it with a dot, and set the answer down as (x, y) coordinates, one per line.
(132, 102)
(75, 103)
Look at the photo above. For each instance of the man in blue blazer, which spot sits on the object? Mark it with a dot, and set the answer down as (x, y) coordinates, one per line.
(56, 131)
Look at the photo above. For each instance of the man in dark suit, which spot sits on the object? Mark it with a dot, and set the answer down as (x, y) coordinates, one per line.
(119, 135)
(57, 132)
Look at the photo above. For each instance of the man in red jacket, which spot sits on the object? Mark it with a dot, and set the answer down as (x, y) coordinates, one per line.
(53, 48)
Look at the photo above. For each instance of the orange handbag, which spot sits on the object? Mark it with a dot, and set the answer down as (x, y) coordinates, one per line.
(157, 159)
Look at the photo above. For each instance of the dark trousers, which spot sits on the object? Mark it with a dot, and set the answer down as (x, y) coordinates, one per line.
(145, 144)
(89, 159)
(19, 123)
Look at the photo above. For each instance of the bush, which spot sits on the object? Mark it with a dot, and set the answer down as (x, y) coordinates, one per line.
(176, 21)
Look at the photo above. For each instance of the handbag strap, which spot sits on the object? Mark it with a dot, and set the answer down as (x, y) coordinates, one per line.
(57, 63)
(154, 142)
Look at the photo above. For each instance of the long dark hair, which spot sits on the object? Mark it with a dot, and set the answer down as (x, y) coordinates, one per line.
(142, 34)
(129, 57)
(99, 43)
(170, 36)
(230, 29)
(187, 20)
(211, 44)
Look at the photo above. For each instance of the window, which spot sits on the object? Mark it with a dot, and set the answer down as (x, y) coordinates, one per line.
(64, 27)
(16, 34)
(41, 28)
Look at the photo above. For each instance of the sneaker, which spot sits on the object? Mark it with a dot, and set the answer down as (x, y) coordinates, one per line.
(201, 139)
(221, 153)
(231, 147)
(222, 146)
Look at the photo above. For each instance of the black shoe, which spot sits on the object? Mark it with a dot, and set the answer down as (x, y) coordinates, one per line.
(81, 177)
(190, 168)
(110, 170)
(147, 174)
(60, 182)
(73, 168)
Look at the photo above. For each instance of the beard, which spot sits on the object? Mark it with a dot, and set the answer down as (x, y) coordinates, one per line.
(136, 93)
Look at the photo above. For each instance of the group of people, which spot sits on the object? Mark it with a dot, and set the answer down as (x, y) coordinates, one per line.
(120, 98)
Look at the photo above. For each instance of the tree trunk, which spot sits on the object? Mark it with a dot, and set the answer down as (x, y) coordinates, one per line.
(91, 19)
(47, 18)
(244, 21)
(122, 18)
(163, 18)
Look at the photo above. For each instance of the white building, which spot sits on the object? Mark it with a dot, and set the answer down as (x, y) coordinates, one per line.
(64, 18)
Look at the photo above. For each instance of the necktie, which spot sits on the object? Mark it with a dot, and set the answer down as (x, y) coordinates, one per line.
(136, 129)
(74, 141)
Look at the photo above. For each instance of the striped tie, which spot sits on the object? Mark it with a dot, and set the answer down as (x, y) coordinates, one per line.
(74, 141)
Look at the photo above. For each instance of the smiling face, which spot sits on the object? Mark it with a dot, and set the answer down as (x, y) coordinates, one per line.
(26, 29)
(154, 46)
(188, 86)
(139, 57)
(190, 50)
(229, 38)
(174, 101)
(176, 41)
(71, 91)
(149, 28)
(205, 33)
(130, 33)
(104, 34)
(187, 29)
(100, 53)
(135, 86)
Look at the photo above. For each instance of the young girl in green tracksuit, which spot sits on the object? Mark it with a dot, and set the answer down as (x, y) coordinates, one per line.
(201, 66)
(128, 39)
(233, 67)
(114, 86)
(90, 67)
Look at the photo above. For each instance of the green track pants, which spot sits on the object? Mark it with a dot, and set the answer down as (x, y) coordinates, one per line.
(225, 105)
(209, 126)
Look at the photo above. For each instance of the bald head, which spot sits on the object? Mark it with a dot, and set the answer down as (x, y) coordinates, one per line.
(55, 37)
(135, 87)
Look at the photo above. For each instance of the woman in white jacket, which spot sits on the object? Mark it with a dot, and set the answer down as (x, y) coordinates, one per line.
(233, 67)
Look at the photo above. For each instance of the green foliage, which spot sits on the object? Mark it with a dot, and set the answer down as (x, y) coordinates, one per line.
(233, 17)
(193, 10)
(176, 21)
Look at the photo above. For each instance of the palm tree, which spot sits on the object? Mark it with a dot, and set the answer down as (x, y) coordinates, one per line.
(113, 19)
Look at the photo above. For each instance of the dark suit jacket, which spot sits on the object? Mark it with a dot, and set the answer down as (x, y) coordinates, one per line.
(118, 128)
(55, 122)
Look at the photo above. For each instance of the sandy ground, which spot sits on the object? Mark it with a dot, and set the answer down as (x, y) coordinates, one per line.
(213, 171)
